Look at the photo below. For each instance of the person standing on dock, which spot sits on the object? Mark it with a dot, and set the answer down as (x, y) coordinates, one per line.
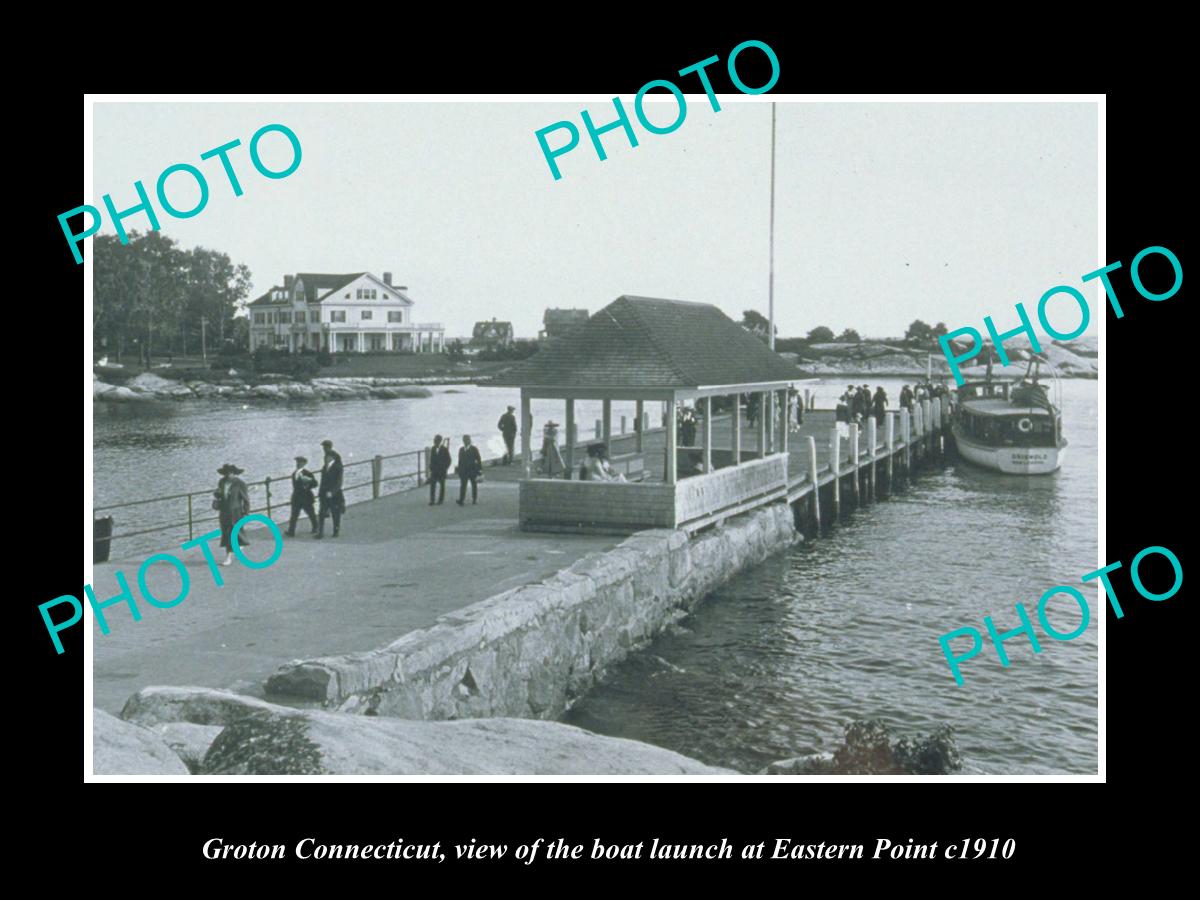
(439, 467)
(508, 428)
(550, 454)
(232, 502)
(470, 465)
(303, 482)
(880, 403)
(906, 398)
(333, 501)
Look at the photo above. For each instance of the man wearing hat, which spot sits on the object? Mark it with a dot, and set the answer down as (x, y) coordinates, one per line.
(333, 501)
(470, 465)
(439, 466)
(508, 428)
(303, 482)
(232, 502)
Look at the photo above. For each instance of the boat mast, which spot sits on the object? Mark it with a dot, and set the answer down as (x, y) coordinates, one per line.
(771, 263)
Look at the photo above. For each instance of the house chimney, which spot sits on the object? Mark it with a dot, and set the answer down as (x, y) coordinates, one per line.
(287, 283)
(387, 278)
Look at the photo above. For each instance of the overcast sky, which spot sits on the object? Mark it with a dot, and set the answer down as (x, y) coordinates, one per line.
(884, 212)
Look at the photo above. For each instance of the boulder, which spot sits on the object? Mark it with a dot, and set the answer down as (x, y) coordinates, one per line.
(190, 742)
(99, 388)
(201, 706)
(291, 742)
(125, 395)
(122, 748)
(262, 738)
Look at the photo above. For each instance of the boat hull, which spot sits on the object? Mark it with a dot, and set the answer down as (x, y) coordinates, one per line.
(1011, 460)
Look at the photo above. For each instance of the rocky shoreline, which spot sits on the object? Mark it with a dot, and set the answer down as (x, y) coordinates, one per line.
(149, 387)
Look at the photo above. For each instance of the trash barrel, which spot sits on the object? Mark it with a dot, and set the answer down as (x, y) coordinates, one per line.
(102, 538)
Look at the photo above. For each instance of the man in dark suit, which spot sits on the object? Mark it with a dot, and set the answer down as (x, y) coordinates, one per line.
(333, 501)
(439, 466)
(470, 465)
(508, 428)
(303, 482)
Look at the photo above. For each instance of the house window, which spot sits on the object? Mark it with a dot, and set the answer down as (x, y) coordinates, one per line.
(366, 314)
(285, 318)
(337, 315)
(386, 297)
(347, 296)
(300, 318)
(395, 315)
(260, 318)
(359, 295)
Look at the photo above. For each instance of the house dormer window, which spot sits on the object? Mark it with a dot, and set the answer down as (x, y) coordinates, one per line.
(367, 294)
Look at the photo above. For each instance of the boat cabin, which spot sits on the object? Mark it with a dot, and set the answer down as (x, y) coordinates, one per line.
(1000, 414)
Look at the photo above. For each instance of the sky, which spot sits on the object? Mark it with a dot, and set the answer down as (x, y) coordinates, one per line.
(885, 212)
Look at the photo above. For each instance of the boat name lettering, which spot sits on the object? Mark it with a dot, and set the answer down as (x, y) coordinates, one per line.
(1026, 327)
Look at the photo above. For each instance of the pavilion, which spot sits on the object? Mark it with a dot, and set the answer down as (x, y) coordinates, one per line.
(670, 351)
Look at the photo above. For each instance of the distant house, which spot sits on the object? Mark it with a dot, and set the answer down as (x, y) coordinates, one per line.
(557, 322)
(492, 335)
(350, 313)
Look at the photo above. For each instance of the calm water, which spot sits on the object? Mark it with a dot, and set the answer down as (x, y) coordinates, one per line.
(777, 662)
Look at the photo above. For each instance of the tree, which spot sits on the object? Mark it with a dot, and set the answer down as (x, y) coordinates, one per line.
(820, 335)
(940, 329)
(455, 350)
(152, 294)
(849, 336)
(756, 323)
(920, 333)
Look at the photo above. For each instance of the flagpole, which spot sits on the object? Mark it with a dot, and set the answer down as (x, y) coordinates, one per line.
(771, 265)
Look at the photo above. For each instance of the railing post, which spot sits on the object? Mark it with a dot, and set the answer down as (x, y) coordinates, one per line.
(872, 436)
(427, 456)
(816, 490)
(190, 534)
(854, 462)
(890, 438)
(267, 483)
(835, 463)
(376, 475)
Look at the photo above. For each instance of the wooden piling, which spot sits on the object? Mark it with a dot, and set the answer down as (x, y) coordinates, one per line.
(872, 425)
(835, 464)
(812, 478)
(854, 430)
(906, 436)
(890, 440)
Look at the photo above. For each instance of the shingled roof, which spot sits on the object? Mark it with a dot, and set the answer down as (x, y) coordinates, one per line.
(640, 342)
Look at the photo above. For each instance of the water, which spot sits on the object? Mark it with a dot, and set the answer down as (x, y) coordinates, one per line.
(775, 664)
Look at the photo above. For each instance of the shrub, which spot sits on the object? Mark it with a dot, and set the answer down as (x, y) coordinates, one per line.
(868, 750)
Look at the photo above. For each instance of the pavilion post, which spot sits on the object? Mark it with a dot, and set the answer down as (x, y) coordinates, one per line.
(570, 460)
(707, 401)
(606, 429)
(785, 419)
(737, 429)
(526, 437)
(762, 423)
(670, 471)
(640, 427)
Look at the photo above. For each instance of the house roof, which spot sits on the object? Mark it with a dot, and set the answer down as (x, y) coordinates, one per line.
(640, 342)
(492, 329)
(318, 285)
(564, 317)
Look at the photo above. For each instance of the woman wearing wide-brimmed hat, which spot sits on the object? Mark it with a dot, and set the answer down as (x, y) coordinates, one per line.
(232, 502)
(550, 455)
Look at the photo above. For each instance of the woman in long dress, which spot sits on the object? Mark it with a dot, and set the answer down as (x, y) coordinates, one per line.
(232, 502)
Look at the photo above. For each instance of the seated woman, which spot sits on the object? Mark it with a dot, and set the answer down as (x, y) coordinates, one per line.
(597, 467)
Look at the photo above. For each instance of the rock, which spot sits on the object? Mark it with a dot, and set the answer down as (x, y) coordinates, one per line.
(99, 388)
(285, 741)
(190, 742)
(799, 765)
(201, 706)
(122, 748)
(267, 391)
(124, 395)
(395, 393)
(152, 383)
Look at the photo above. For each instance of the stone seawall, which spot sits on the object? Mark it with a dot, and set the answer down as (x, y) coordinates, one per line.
(532, 651)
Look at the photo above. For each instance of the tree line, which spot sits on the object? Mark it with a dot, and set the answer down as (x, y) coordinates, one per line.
(151, 296)
(918, 332)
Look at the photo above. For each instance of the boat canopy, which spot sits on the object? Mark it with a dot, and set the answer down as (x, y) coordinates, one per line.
(990, 406)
